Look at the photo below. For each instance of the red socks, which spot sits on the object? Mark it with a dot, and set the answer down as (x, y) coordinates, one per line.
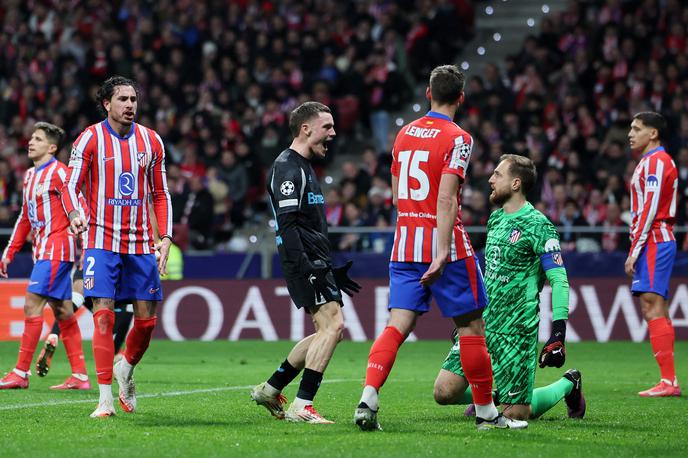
(138, 339)
(103, 346)
(29, 340)
(382, 356)
(662, 339)
(71, 338)
(477, 367)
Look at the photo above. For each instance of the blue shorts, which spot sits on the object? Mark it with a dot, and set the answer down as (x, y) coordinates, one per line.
(458, 291)
(121, 276)
(653, 269)
(51, 279)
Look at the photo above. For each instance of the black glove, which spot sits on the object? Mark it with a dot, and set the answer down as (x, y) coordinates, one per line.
(316, 273)
(553, 354)
(344, 283)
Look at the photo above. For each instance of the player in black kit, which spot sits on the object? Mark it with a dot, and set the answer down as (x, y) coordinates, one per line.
(304, 252)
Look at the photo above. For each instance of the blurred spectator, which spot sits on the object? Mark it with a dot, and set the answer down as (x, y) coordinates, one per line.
(613, 241)
(198, 213)
(570, 216)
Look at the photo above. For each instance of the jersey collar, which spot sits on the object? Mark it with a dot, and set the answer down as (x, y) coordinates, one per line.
(46, 164)
(112, 131)
(652, 151)
(434, 114)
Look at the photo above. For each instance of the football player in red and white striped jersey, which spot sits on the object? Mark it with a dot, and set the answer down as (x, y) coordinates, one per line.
(54, 250)
(653, 246)
(120, 163)
(432, 255)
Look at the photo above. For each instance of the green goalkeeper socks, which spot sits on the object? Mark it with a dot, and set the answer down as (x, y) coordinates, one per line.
(466, 397)
(548, 396)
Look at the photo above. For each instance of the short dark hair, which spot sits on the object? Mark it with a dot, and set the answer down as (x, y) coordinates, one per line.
(522, 168)
(304, 113)
(446, 84)
(654, 120)
(107, 89)
(53, 133)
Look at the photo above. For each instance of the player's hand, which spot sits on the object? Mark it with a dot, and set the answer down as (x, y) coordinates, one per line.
(317, 276)
(434, 272)
(3, 267)
(344, 283)
(553, 354)
(629, 266)
(77, 224)
(162, 249)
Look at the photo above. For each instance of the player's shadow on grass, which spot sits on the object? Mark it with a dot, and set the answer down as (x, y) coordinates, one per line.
(165, 421)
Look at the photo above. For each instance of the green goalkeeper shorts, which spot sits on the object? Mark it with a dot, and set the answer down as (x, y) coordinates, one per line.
(513, 364)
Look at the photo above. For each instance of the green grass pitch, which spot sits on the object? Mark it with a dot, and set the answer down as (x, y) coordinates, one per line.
(194, 401)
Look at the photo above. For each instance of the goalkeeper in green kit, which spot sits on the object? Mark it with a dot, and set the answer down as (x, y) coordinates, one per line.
(522, 251)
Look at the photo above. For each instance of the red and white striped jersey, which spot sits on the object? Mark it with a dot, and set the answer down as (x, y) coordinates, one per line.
(423, 151)
(119, 174)
(653, 200)
(43, 216)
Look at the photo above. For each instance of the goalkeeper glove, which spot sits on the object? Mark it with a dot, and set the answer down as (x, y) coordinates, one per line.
(316, 273)
(344, 283)
(553, 354)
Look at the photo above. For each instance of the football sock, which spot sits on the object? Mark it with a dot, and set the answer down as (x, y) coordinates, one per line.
(29, 340)
(103, 348)
(71, 338)
(370, 398)
(477, 368)
(662, 339)
(548, 396)
(466, 397)
(283, 376)
(310, 382)
(122, 323)
(138, 339)
(382, 356)
(105, 391)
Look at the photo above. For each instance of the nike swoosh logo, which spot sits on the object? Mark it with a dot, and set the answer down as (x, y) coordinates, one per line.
(514, 394)
(655, 354)
(557, 351)
(105, 159)
(636, 281)
(33, 283)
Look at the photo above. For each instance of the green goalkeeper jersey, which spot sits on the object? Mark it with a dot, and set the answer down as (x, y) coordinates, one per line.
(520, 248)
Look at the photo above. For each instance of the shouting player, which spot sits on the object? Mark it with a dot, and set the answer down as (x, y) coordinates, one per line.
(54, 249)
(432, 255)
(653, 246)
(522, 250)
(121, 162)
(304, 252)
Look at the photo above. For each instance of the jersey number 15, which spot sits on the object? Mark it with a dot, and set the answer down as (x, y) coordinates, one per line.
(409, 166)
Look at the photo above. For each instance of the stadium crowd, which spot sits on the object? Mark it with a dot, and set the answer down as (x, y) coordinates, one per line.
(218, 80)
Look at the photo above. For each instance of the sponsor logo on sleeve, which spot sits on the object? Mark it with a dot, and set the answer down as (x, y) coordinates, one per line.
(652, 182)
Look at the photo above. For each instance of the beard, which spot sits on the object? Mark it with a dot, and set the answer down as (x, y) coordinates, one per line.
(499, 198)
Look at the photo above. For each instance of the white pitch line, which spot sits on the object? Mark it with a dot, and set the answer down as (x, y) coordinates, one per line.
(150, 395)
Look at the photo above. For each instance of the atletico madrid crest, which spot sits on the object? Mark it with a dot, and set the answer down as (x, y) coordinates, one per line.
(88, 282)
(142, 158)
(515, 235)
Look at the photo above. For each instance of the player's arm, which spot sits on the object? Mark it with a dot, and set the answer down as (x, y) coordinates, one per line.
(19, 234)
(447, 210)
(651, 193)
(162, 205)
(553, 354)
(453, 175)
(78, 169)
